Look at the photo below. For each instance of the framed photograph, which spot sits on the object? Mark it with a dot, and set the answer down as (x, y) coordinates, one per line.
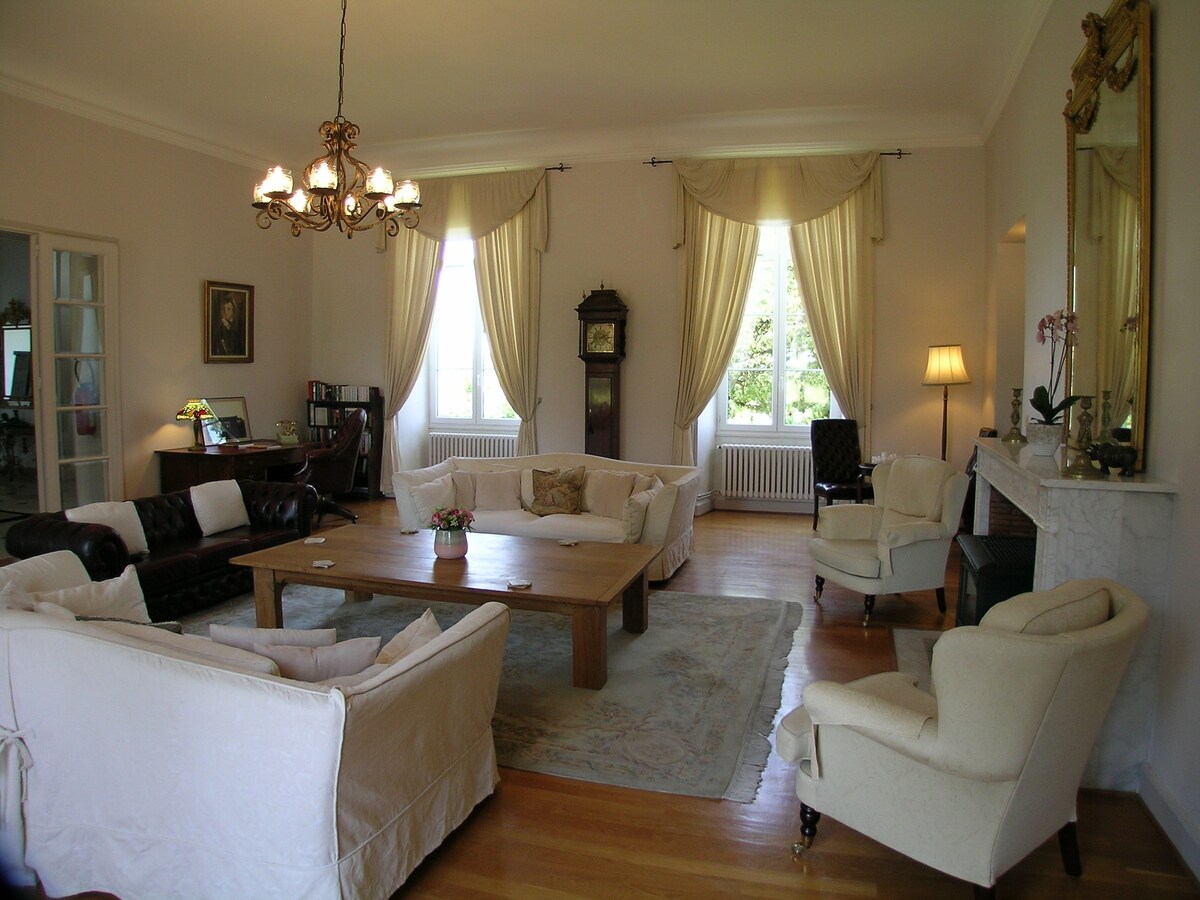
(228, 322)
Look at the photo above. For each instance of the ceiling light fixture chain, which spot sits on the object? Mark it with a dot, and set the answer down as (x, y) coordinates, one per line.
(338, 188)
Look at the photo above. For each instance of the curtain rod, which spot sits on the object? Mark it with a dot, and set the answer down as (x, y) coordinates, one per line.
(655, 161)
(561, 167)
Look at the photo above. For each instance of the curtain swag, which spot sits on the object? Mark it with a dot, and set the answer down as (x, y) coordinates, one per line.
(471, 206)
(788, 190)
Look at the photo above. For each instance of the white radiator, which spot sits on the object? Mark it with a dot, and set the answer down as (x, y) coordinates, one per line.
(446, 444)
(764, 472)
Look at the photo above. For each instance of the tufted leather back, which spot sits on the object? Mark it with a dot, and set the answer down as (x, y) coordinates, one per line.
(331, 470)
(835, 450)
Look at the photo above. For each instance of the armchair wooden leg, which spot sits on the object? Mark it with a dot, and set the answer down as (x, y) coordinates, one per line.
(809, 818)
(941, 598)
(1068, 847)
(868, 608)
(820, 586)
(816, 511)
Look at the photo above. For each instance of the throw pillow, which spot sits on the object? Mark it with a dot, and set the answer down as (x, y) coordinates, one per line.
(557, 492)
(633, 514)
(320, 663)
(45, 607)
(47, 572)
(195, 648)
(219, 506)
(120, 597)
(349, 682)
(605, 493)
(246, 638)
(464, 490)
(498, 490)
(13, 596)
(120, 516)
(417, 633)
(432, 496)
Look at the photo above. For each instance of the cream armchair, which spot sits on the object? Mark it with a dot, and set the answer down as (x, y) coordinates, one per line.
(902, 541)
(974, 776)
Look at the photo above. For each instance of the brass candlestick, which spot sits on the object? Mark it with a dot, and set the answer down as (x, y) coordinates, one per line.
(1081, 465)
(1014, 435)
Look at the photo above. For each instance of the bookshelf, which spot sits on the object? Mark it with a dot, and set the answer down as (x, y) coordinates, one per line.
(327, 407)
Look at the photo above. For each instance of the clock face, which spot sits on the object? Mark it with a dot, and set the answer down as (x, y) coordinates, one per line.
(601, 337)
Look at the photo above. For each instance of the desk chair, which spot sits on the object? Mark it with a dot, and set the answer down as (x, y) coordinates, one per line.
(836, 456)
(330, 467)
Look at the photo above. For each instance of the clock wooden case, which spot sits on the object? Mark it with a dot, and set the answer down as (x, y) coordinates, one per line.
(602, 347)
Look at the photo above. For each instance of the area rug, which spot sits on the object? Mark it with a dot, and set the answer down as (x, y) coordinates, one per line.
(914, 650)
(687, 708)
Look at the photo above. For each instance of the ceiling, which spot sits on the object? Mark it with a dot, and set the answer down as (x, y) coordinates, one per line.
(452, 85)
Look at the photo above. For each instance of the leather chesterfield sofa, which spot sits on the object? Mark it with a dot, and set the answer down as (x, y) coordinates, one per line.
(183, 570)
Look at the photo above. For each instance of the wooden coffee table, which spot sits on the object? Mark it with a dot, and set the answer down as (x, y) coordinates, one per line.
(580, 581)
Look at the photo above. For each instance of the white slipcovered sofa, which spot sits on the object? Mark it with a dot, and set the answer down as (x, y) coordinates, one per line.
(622, 501)
(154, 766)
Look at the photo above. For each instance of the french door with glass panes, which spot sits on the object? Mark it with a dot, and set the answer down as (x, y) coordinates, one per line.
(76, 332)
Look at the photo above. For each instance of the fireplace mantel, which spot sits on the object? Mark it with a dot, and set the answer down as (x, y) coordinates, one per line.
(1117, 528)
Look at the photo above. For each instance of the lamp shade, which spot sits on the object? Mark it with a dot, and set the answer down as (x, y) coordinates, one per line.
(946, 365)
(195, 409)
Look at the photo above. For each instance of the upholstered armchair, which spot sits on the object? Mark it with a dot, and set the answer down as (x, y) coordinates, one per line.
(902, 541)
(836, 456)
(973, 776)
(330, 467)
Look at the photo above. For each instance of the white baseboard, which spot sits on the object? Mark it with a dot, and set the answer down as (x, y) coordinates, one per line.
(704, 503)
(796, 507)
(1180, 828)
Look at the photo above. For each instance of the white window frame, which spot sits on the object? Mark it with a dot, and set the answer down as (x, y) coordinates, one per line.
(457, 254)
(777, 432)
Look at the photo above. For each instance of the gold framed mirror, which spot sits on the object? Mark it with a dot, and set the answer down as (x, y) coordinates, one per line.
(1108, 220)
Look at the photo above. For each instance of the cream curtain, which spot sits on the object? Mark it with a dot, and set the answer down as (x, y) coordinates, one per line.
(1114, 227)
(509, 271)
(416, 263)
(793, 190)
(462, 207)
(718, 263)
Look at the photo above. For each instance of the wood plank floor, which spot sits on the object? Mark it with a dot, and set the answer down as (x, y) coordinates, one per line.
(541, 836)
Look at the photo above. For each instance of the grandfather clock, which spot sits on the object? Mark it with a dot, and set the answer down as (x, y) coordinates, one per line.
(602, 347)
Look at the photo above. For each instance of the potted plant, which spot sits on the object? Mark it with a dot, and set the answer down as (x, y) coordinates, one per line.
(1046, 430)
(450, 525)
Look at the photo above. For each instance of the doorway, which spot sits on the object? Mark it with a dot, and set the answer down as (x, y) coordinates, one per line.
(18, 425)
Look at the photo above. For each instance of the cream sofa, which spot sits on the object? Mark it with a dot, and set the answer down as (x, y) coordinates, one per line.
(656, 509)
(154, 767)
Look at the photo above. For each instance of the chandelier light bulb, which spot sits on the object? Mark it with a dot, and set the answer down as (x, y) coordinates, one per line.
(278, 183)
(298, 201)
(260, 196)
(408, 193)
(380, 184)
(323, 179)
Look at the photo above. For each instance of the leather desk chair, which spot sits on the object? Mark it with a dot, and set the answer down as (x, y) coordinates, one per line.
(836, 457)
(330, 467)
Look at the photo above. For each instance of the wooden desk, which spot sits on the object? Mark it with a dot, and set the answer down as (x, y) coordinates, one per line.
(181, 468)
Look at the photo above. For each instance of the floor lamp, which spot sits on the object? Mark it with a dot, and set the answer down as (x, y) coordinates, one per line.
(946, 367)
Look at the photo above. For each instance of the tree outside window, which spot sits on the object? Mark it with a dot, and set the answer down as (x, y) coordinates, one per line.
(774, 381)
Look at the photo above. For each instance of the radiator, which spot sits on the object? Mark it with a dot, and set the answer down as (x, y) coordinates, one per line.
(445, 444)
(764, 472)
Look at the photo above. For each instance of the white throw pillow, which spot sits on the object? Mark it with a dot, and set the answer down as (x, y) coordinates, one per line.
(633, 514)
(219, 506)
(417, 633)
(464, 490)
(53, 609)
(498, 490)
(47, 572)
(246, 638)
(200, 649)
(119, 598)
(605, 493)
(432, 496)
(13, 596)
(320, 663)
(120, 516)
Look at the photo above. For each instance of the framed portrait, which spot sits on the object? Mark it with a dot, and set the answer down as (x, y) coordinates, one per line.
(228, 322)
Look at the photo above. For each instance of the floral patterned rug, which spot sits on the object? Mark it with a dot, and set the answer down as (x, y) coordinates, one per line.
(687, 709)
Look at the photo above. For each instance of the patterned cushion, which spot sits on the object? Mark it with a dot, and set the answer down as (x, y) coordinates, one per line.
(557, 492)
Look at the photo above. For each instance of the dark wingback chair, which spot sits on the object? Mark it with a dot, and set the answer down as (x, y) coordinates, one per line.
(836, 457)
(330, 467)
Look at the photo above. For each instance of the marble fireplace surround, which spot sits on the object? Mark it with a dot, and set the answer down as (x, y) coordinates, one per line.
(1117, 528)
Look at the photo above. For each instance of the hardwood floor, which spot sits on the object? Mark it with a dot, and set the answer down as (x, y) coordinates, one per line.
(541, 836)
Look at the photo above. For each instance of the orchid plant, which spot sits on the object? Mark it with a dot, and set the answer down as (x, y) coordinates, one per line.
(451, 518)
(1059, 329)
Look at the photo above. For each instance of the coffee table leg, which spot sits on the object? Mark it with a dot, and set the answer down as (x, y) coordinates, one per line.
(268, 599)
(589, 648)
(635, 609)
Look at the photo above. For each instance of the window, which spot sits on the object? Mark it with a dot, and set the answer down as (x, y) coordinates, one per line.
(464, 384)
(774, 382)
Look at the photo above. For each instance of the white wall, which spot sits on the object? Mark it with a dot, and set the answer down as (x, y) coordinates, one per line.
(1026, 164)
(178, 218)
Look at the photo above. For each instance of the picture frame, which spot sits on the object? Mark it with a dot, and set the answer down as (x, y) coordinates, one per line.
(228, 335)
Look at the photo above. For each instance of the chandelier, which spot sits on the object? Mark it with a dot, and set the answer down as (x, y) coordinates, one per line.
(338, 189)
